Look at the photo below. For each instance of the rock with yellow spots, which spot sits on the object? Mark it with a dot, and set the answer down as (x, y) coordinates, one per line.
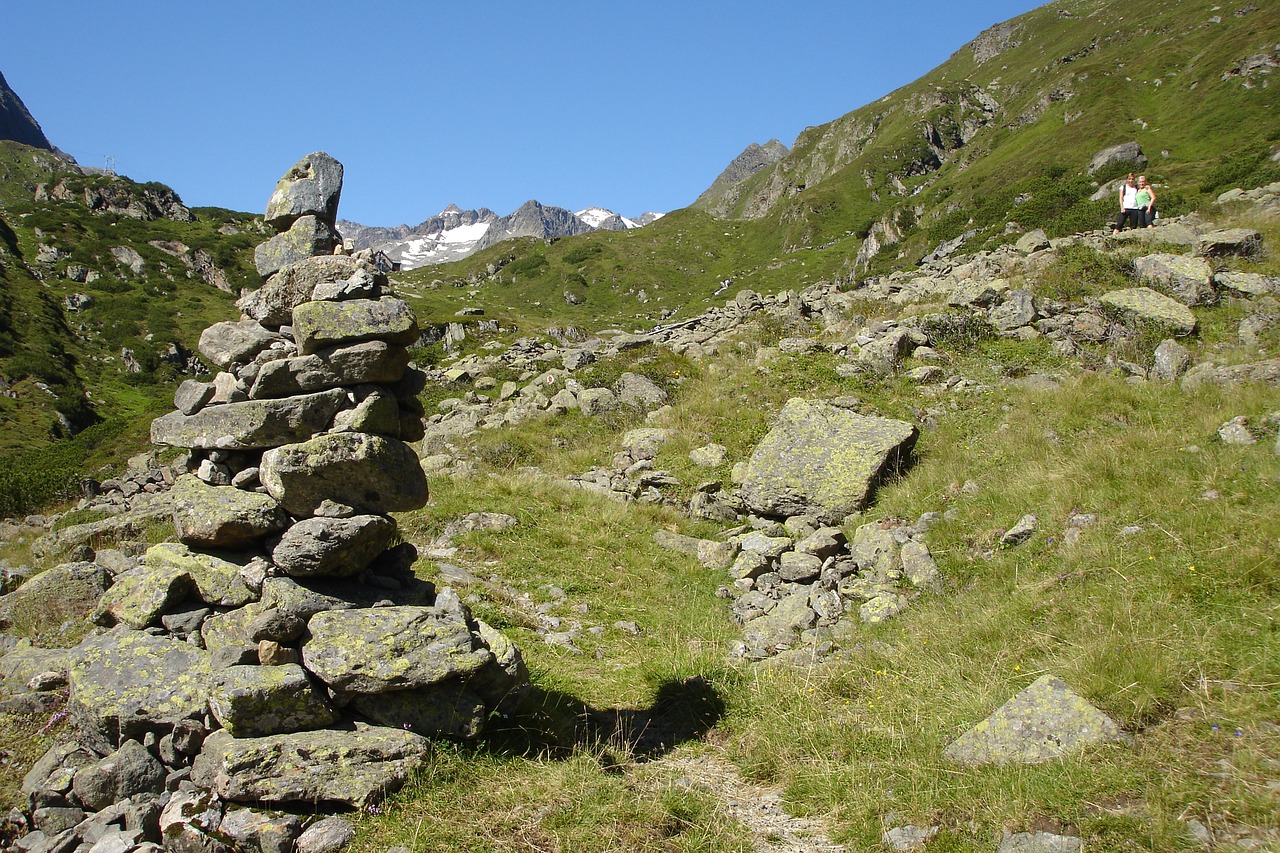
(1047, 720)
(823, 461)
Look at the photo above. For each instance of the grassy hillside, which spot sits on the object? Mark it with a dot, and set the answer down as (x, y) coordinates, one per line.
(1004, 131)
(100, 312)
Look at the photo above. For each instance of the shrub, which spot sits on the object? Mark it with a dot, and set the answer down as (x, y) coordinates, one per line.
(576, 256)
(530, 265)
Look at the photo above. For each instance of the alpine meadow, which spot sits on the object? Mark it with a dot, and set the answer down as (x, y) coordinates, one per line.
(889, 496)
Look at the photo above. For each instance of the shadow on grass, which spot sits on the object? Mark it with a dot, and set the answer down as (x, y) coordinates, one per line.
(557, 725)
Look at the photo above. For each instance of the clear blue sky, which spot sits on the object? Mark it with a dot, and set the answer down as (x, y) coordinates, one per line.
(633, 106)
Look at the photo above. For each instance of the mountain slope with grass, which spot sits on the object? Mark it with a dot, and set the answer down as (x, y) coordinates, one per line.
(107, 284)
(1097, 486)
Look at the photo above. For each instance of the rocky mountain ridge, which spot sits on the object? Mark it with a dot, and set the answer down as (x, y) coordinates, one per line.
(454, 234)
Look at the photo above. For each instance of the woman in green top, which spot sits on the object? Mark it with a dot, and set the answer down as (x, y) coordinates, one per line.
(1146, 201)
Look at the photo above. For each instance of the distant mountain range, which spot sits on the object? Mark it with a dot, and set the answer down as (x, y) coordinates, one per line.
(453, 233)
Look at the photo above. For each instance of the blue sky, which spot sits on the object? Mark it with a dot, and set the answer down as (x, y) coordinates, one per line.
(632, 106)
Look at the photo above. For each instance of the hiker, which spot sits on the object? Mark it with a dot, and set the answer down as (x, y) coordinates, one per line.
(1129, 211)
(1146, 199)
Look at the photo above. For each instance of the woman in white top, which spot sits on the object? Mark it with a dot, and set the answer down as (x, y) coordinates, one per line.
(1129, 210)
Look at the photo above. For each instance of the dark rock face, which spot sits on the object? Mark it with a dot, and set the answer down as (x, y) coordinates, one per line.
(16, 122)
(534, 220)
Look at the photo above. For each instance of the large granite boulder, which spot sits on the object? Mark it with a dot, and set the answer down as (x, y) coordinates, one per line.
(368, 473)
(322, 324)
(228, 343)
(129, 770)
(223, 517)
(1227, 242)
(141, 595)
(251, 425)
(1144, 305)
(823, 461)
(111, 701)
(220, 579)
(70, 590)
(370, 362)
(312, 186)
(355, 767)
(1188, 278)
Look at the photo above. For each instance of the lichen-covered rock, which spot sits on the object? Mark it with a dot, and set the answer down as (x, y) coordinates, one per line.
(1146, 305)
(1240, 242)
(368, 362)
(822, 461)
(221, 516)
(111, 702)
(318, 325)
(311, 187)
(1188, 278)
(270, 832)
(353, 767)
(71, 589)
(369, 473)
(639, 392)
(219, 580)
(1045, 721)
(272, 304)
(234, 342)
(782, 625)
(1210, 374)
(307, 236)
(253, 701)
(139, 596)
(250, 425)
(447, 709)
(376, 650)
(332, 546)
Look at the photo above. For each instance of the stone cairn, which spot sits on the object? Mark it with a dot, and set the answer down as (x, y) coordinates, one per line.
(281, 652)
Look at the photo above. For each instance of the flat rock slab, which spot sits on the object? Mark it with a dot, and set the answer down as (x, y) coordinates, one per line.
(375, 362)
(1146, 305)
(356, 768)
(219, 580)
(1047, 720)
(823, 461)
(250, 425)
(318, 325)
(380, 649)
(126, 683)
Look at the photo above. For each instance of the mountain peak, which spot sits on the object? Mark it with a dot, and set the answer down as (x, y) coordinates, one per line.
(16, 123)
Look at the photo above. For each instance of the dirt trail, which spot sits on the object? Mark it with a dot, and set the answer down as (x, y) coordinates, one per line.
(757, 807)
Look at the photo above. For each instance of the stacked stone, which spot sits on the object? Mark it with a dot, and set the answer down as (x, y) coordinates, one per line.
(282, 651)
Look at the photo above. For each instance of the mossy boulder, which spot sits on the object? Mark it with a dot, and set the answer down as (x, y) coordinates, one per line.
(356, 767)
(126, 683)
(823, 461)
(307, 236)
(272, 304)
(322, 324)
(381, 649)
(219, 579)
(312, 186)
